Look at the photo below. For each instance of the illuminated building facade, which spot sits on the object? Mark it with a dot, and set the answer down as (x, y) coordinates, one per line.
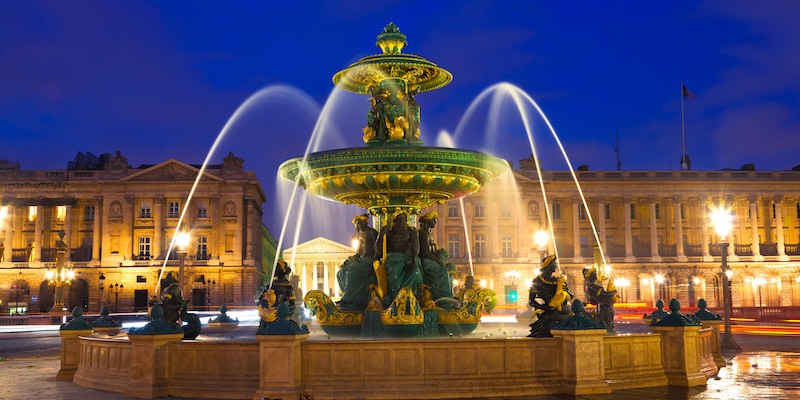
(654, 227)
(119, 221)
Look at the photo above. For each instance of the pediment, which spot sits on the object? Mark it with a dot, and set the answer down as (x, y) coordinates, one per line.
(320, 245)
(170, 171)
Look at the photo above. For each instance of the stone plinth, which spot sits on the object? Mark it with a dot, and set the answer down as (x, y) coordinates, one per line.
(633, 361)
(680, 355)
(70, 353)
(149, 365)
(582, 361)
(716, 343)
(281, 366)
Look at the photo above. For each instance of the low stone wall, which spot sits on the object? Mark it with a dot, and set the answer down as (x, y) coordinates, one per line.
(290, 366)
(402, 369)
(104, 364)
(633, 361)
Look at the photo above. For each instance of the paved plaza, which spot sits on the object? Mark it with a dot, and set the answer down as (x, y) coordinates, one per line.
(754, 373)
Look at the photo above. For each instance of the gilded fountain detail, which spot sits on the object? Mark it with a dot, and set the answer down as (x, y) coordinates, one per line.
(399, 284)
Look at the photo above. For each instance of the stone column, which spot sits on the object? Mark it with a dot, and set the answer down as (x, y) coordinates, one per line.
(576, 232)
(679, 229)
(149, 365)
(653, 231)
(314, 278)
(70, 353)
(582, 361)
(779, 229)
(68, 230)
(755, 246)
(730, 204)
(680, 355)
(303, 280)
(281, 366)
(130, 200)
(37, 235)
(96, 234)
(9, 227)
(601, 224)
(325, 280)
(249, 229)
(626, 209)
(158, 226)
(703, 205)
(336, 290)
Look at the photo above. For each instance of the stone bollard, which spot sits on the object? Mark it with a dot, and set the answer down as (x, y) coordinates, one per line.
(70, 352)
(149, 372)
(680, 348)
(583, 368)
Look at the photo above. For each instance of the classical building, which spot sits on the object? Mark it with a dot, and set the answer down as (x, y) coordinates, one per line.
(654, 228)
(316, 262)
(118, 222)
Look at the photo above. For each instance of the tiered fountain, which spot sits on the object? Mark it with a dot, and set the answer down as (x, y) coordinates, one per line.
(395, 177)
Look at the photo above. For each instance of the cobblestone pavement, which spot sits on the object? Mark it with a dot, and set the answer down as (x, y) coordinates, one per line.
(749, 375)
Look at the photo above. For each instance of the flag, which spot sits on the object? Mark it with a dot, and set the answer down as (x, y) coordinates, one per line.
(686, 92)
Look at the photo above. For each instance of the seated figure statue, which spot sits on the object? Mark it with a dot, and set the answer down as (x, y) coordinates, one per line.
(437, 272)
(602, 298)
(281, 284)
(401, 264)
(555, 296)
(357, 274)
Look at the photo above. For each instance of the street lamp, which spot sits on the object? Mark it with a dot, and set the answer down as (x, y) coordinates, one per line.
(758, 282)
(541, 238)
(182, 242)
(60, 277)
(116, 288)
(723, 222)
(102, 280)
(211, 284)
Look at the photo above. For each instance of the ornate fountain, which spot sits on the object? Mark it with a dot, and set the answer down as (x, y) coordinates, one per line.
(395, 177)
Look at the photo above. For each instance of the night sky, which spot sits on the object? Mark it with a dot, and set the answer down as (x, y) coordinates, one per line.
(158, 80)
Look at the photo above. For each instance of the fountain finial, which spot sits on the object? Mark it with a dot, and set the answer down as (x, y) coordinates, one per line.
(391, 41)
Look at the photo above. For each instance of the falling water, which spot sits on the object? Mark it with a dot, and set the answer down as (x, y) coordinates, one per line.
(498, 94)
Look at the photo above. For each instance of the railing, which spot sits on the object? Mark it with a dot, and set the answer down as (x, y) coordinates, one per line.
(617, 250)
(81, 254)
(715, 249)
(743, 250)
(20, 255)
(763, 313)
(792, 249)
(641, 251)
(768, 249)
(693, 250)
(49, 254)
(666, 250)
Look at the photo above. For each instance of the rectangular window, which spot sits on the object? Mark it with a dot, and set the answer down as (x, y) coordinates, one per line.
(797, 206)
(202, 209)
(453, 245)
(505, 246)
(174, 209)
(141, 279)
(478, 209)
(505, 210)
(88, 212)
(556, 211)
(584, 241)
(658, 211)
(452, 210)
(202, 248)
(320, 284)
(773, 210)
(581, 212)
(144, 246)
(633, 211)
(61, 213)
(480, 245)
(32, 211)
(607, 210)
(144, 210)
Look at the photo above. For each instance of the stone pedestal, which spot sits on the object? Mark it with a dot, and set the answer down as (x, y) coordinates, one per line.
(582, 361)
(149, 365)
(716, 340)
(280, 362)
(70, 353)
(680, 355)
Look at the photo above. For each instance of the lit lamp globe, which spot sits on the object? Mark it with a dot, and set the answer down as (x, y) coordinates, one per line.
(723, 222)
(541, 238)
(182, 240)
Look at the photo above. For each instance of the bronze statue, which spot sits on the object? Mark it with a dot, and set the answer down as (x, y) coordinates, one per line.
(437, 272)
(281, 285)
(400, 262)
(600, 297)
(357, 274)
(555, 296)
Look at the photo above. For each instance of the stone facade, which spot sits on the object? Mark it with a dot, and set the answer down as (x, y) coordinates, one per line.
(119, 221)
(654, 227)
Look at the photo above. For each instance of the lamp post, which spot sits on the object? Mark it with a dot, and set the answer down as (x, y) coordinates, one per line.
(211, 283)
(759, 282)
(182, 242)
(541, 237)
(102, 286)
(722, 221)
(116, 288)
(61, 277)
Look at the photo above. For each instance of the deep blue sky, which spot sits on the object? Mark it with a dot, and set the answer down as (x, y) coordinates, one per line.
(158, 80)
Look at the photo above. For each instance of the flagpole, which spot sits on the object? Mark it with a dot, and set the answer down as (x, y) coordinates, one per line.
(684, 165)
